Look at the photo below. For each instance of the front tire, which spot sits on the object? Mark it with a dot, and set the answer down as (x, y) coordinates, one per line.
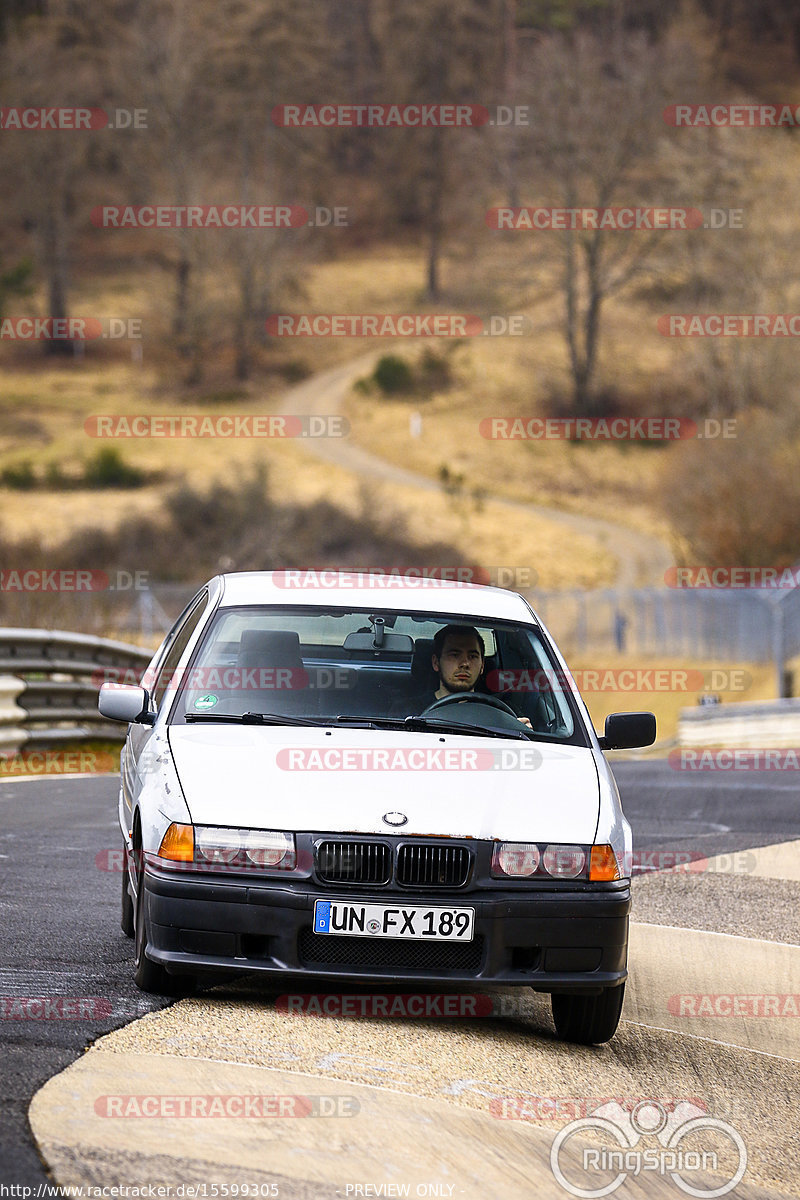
(588, 1020)
(150, 976)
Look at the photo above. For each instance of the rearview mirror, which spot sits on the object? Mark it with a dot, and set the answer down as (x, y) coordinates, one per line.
(626, 731)
(119, 702)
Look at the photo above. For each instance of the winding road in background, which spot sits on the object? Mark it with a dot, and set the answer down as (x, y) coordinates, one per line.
(642, 558)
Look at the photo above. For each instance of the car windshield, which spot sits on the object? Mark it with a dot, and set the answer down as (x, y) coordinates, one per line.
(323, 665)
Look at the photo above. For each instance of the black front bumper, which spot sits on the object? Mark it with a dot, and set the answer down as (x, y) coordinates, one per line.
(549, 940)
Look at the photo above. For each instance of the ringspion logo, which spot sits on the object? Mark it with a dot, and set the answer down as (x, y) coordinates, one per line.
(687, 1142)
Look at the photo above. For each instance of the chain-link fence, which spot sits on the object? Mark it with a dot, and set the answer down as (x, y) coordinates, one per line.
(733, 625)
(747, 624)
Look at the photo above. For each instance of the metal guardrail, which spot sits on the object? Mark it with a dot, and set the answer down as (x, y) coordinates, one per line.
(764, 724)
(49, 683)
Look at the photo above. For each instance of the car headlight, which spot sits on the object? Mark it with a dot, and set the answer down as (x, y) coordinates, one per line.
(211, 847)
(524, 860)
(515, 858)
(564, 862)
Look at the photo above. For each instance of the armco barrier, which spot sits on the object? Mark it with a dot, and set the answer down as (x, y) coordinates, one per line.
(770, 723)
(47, 693)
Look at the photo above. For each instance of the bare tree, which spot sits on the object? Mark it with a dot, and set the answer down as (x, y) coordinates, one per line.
(596, 140)
(49, 172)
(436, 52)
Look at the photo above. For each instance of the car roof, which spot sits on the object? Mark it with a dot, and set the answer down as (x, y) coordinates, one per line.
(361, 589)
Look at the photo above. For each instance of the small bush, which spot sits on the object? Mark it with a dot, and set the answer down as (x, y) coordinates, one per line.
(21, 477)
(393, 375)
(108, 469)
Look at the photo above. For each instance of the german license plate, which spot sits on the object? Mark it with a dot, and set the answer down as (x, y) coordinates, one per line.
(417, 922)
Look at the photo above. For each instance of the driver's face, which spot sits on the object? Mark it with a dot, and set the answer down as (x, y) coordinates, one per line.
(461, 663)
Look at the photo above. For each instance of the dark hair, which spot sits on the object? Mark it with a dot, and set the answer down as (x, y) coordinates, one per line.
(457, 631)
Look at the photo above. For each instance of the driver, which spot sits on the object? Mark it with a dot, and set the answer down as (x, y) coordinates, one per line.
(458, 659)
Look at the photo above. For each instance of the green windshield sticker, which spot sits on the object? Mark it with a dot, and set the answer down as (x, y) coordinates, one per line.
(206, 701)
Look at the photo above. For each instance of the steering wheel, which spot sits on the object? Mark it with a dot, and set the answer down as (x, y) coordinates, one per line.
(472, 698)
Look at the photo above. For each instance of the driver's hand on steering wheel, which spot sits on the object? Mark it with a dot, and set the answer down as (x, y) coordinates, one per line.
(525, 721)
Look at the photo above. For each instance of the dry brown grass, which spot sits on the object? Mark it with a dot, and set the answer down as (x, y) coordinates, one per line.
(667, 705)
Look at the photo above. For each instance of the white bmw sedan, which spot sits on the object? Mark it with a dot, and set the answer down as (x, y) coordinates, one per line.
(373, 779)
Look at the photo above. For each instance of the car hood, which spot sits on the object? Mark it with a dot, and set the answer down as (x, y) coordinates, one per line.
(345, 780)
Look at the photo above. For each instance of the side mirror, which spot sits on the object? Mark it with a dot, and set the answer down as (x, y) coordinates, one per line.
(626, 731)
(120, 702)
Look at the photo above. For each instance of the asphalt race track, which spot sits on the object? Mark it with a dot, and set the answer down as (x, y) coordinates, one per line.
(59, 913)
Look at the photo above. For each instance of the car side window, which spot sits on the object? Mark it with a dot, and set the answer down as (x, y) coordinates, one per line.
(176, 649)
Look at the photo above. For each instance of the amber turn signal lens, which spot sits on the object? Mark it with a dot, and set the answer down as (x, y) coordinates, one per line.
(177, 843)
(603, 864)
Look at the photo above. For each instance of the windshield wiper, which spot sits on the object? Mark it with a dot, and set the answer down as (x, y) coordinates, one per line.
(457, 727)
(368, 722)
(423, 723)
(251, 718)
